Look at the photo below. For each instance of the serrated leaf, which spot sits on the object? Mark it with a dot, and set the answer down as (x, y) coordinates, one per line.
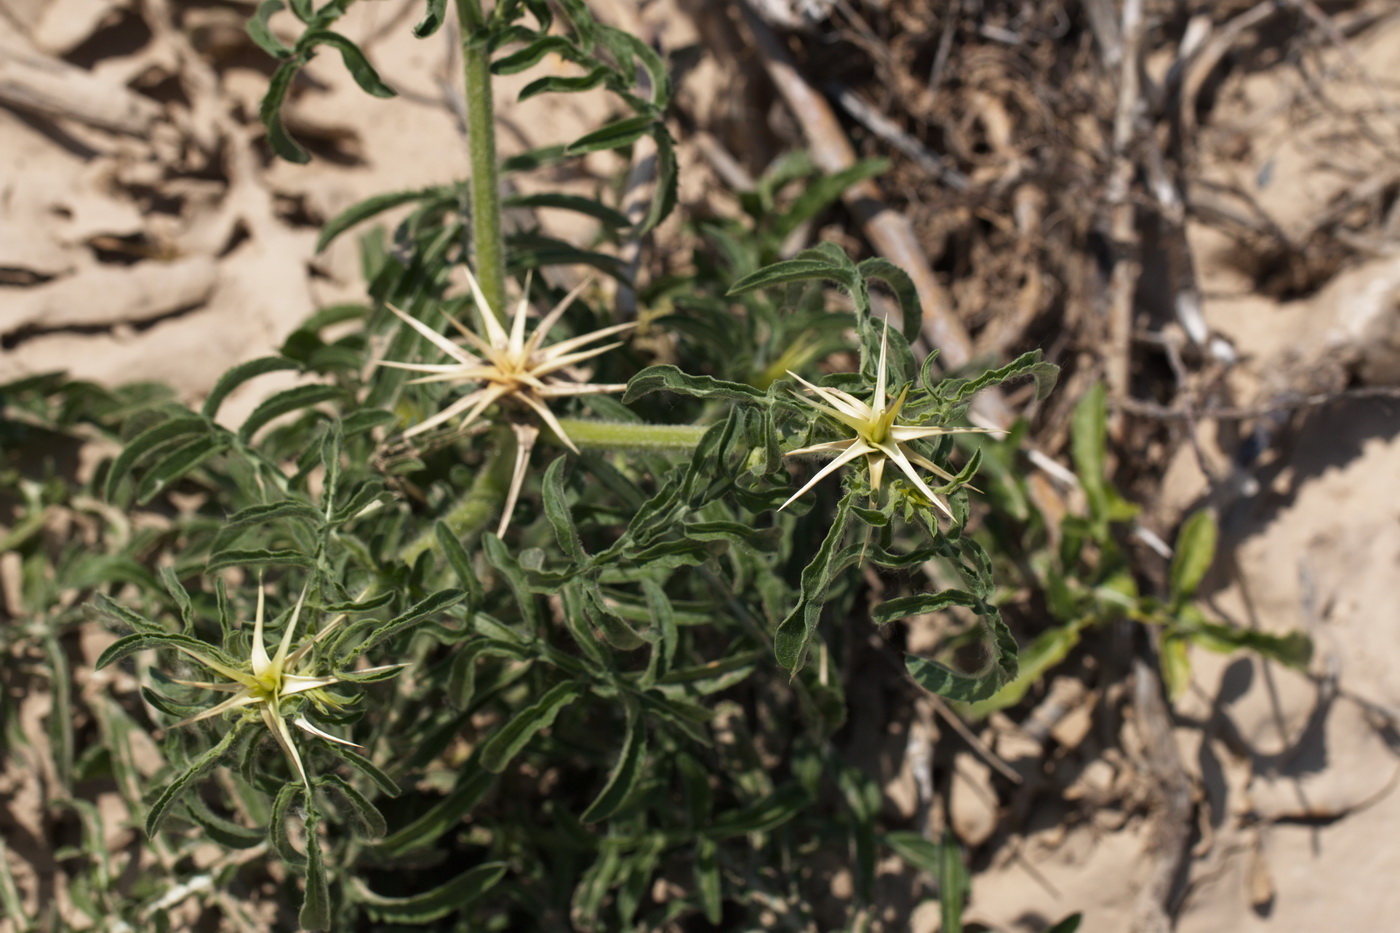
(615, 135)
(432, 19)
(905, 292)
(556, 509)
(365, 812)
(443, 816)
(1027, 364)
(278, 834)
(809, 266)
(149, 441)
(239, 375)
(512, 737)
(531, 54)
(177, 592)
(168, 797)
(794, 633)
(360, 212)
(1195, 550)
(286, 401)
(176, 464)
(760, 816)
(562, 84)
(224, 832)
(626, 773)
(667, 193)
(259, 557)
(101, 604)
(370, 770)
(204, 653)
(430, 905)
(665, 377)
(355, 61)
(316, 904)
(417, 614)
(261, 33)
(271, 112)
(570, 202)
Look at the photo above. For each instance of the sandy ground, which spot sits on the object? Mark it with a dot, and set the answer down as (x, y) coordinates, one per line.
(171, 250)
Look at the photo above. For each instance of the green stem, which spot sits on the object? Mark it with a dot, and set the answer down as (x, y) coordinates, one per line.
(474, 511)
(615, 435)
(481, 142)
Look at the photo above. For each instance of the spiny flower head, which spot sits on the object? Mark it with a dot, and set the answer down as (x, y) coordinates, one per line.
(265, 683)
(879, 436)
(508, 364)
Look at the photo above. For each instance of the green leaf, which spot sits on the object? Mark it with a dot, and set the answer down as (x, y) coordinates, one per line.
(250, 557)
(1068, 925)
(508, 741)
(1294, 649)
(1176, 666)
(952, 885)
(667, 193)
(119, 613)
(562, 84)
(1195, 549)
(271, 113)
(197, 769)
(148, 441)
(224, 832)
(443, 816)
(760, 816)
(206, 654)
(369, 769)
(820, 193)
(419, 613)
(177, 592)
(791, 270)
(370, 207)
(923, 854)
(178, 463)
(626, 774)
(238, 375)
(1027, 364)
(1047, 650)
(288, 400)
(460, 562)
(316, 904)
(355, 61)
(531, 54)
(278, 835)
(432, 19)
(430, 905)
(1089, 448)
(794, 634)
(365, 812)
(261, 33)
(570, 202)
(708, 883)
(666, 377)
(556, 509)
(613, 136)
(899, 282)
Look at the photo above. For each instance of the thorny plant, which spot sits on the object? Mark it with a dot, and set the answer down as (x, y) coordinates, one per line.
(620, 710)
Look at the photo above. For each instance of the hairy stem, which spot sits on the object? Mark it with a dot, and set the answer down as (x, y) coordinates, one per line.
(612, 435)
(481, 142)
(474, 511)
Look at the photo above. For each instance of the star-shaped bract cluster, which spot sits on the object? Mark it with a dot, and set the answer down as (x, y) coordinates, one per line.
(879, 437)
